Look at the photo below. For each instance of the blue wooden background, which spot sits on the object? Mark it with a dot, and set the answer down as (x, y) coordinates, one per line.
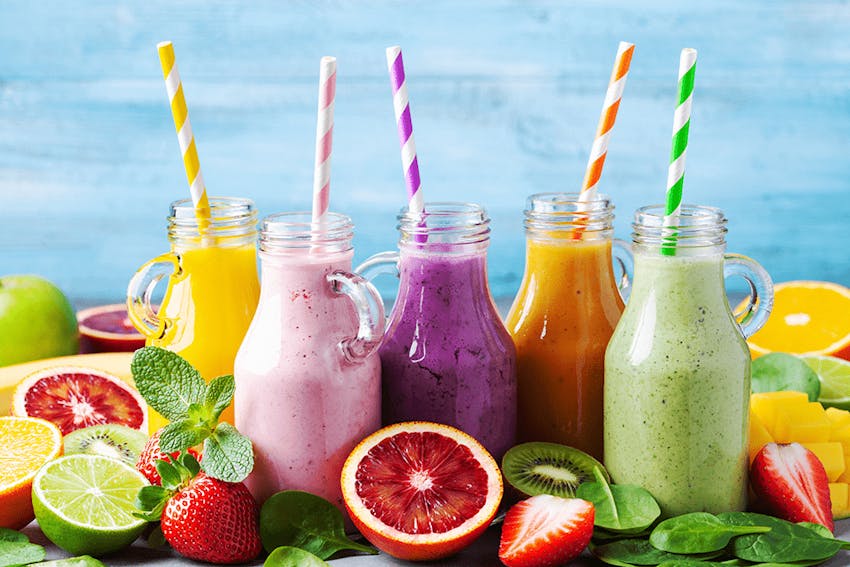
(505, 99)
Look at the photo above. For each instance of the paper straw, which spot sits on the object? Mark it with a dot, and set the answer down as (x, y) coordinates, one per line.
(616, 85)
(681, 127)
(185, 138)
(324, 139)
(401, 105)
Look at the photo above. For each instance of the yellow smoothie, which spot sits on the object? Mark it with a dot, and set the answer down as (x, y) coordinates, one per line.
(208, 308)
(562, 318)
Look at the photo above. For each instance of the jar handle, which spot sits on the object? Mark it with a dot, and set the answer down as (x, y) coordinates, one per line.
(140, 289)
(381, 263)
(760, 300)
(370, 313)
(621, 251)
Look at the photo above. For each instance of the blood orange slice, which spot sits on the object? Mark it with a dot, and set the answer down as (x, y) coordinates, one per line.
(73, 397)
(107, 328)
(421, 491)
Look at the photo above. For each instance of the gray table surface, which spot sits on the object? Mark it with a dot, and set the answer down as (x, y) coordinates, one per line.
(483, 553)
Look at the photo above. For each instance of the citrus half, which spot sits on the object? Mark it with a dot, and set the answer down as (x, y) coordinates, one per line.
(107, 328)
(73, 397)
(809, 318)
(420, 490)
(27, 443)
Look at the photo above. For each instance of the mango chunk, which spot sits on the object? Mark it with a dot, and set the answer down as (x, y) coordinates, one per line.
(838, 494)
(832, 457)
(759, 436)
(806, 423)
(838, 417)
(766, 404)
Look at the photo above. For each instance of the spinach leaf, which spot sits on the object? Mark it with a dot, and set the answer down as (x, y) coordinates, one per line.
(779, 371)
(784, 543)
(631, 552)
(285, 556)
(300, 519)
(699, 532)
(619, 507)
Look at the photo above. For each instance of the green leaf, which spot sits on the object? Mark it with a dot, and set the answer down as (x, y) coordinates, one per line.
(81, 561)
(168, 474)
(285, 556)
(629, 552)
(20, 553)
(190, 463)
(619, 507)
(167, 382)
(784, 543)
(778, 371)
(181, 434)
(219, 395)
(13, 536)
(819, 529)
(151, 501)
(156, 539)
(228, 455)
(303, 520)
(699, 532)
(199, 415)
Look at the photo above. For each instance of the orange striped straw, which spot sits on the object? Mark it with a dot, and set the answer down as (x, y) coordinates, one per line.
(606, 121)
(185, 137)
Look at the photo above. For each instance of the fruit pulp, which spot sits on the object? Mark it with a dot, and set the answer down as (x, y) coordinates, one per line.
(207, 310)
(436, 482)
(303, 405)
(108, 328)
(446, 356)
(561, 321)
(677, 388)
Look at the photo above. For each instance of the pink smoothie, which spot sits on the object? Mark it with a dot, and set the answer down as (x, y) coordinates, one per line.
(301, 403)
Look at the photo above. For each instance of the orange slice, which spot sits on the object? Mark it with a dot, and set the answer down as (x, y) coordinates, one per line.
(27, 443)
(421, 491)
(808, 318)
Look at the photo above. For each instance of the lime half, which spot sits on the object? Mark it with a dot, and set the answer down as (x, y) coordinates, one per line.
(85, 503)
(834, 376)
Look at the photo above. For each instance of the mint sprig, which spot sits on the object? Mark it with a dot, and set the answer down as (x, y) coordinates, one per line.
(171, 386)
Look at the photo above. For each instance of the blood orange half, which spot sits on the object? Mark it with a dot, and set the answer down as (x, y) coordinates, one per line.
(421, 491)
(107, 328)
(73, 397)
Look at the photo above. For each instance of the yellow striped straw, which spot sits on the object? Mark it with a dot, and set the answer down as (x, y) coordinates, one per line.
(174, 87)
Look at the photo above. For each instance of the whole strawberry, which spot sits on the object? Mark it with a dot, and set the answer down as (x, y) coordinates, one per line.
(151, 454)
(791, 482)
(203, 518)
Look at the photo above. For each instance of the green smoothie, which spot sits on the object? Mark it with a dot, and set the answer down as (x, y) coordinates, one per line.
(677, 383)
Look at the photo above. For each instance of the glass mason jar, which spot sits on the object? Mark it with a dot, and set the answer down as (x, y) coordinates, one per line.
(211, 288)
(563, 317)
(308, 378)
(446, 356)
(677, 370)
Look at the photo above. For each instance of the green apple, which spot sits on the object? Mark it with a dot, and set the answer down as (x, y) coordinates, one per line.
(36, 320)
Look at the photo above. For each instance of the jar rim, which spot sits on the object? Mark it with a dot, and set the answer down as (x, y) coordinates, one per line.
(695, 227)
(295, 230)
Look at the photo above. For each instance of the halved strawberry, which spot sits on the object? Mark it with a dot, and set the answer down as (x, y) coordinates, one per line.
(545, 531)
(791, 483)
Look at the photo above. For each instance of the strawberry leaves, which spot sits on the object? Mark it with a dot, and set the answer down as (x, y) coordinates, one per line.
(151, 500)
(171, 386)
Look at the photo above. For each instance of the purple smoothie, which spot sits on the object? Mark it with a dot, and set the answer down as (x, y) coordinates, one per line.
(446, 355)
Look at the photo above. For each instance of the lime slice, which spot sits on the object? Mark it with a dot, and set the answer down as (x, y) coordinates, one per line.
(834, 376)
(85, 503)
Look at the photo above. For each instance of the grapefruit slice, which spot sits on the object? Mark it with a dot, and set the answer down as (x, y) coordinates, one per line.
(421, 491)
(107, 328)
(73, 397)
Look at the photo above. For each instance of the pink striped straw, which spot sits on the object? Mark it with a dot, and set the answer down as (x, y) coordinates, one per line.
(324, 139)
(401, 105)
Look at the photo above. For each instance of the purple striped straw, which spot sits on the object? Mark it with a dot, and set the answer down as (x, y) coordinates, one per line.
(401, 105)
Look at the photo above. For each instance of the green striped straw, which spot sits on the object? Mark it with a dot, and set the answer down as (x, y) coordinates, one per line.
(681, 126)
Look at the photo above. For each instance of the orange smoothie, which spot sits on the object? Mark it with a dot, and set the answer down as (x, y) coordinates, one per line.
(561, 320)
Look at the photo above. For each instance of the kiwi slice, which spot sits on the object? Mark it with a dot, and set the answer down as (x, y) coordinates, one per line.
(110, 440)
(549, 468)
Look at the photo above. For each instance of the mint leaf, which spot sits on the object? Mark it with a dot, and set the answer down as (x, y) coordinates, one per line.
(13, 536)
(20, 553)
(168, 383)
(181, 434)
(198, 414)
(293, 557)
(306, 521)
(81, 561)
(219, 395)
(228, 455)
